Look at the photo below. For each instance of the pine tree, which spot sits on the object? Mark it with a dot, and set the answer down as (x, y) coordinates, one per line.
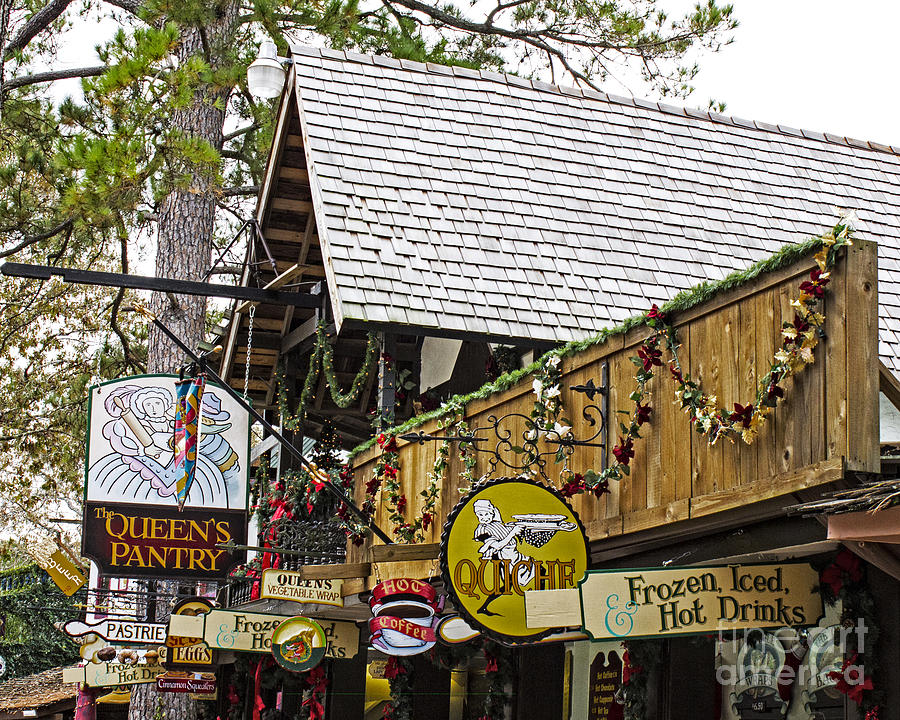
(145, 152)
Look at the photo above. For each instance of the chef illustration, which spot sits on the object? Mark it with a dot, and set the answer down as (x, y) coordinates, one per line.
(500, 541)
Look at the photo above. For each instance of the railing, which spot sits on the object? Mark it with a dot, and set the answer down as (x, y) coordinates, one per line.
(297, 544)
(24, 579)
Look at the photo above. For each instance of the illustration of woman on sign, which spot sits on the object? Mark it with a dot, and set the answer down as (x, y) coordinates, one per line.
(141, 463)
(500, 540)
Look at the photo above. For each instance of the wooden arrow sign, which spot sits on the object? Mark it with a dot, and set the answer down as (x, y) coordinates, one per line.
(119, 631)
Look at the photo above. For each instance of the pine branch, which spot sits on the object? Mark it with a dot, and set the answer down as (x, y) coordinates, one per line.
(51, 76)
(242, 190)
(240, 131)
(31, 239)
(132, 6)
(41, 20)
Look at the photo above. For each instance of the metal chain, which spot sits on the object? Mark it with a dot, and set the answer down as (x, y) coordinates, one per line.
(250, 315)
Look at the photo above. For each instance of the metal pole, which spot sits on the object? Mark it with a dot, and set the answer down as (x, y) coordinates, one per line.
(334, 489)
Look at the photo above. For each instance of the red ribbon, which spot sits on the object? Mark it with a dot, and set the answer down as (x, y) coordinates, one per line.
(282, 510)
(258, 704)
(318, 682)
(403, 586)
(425, 633)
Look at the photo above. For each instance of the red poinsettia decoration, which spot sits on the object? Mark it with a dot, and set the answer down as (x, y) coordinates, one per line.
(650, 355)
(815, 286)
(851, 681)
(491, 666)
(742, 414)
(642, 413)
(388, 443)
(629, 670)
(393, 669)
(656, 314)
(318, 684)
(846, 566)
(600, 489)
(574, 486)
(624, 451)
(401, 504)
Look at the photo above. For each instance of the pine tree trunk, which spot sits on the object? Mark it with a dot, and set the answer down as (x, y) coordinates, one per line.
(184, 252)
(187, 216)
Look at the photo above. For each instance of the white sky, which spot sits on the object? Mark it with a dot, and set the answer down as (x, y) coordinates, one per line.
(827, 65)
(815, 64)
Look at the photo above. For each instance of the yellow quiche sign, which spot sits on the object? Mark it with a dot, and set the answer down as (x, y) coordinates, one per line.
(508, 536)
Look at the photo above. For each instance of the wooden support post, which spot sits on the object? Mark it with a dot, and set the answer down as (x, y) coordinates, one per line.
(387, 379)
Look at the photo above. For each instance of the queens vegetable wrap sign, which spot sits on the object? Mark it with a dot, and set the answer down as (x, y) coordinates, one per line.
(290, 585)
(654, 602)
(159, 502)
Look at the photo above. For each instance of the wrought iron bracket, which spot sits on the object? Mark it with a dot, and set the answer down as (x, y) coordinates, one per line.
(521, 449)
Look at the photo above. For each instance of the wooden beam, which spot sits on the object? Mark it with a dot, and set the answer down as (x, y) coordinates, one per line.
(826, 471)
(263, 446)
(403, 553)
(293, 272)
(287, 204)
(888, 384)
(306, 330)
(342, 571)
(297, 175)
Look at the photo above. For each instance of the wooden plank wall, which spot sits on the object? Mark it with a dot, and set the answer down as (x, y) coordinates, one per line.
(828, 421)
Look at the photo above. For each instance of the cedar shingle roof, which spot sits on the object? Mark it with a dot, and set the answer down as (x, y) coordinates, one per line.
(33, 692)
(472, 201)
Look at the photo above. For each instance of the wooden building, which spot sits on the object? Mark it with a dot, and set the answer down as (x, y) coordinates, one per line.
(450, 211)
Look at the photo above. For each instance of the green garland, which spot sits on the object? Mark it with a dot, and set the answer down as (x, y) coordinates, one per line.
(684, 300)
(500, 669)
(799, 339)
(399, 674)
(640, 659)
(322, 359)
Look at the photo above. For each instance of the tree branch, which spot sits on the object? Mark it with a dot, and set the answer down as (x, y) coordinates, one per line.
(240, 131)
(132, 6)
(127, 352)
(31, 239)
(52, 75)
(41, 20)
(242, 190)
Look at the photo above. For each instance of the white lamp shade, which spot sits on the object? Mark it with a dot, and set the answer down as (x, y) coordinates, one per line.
(265, 76)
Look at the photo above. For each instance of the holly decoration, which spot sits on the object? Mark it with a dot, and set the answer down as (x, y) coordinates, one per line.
(399, 674)
(500, 670)
(844, 579)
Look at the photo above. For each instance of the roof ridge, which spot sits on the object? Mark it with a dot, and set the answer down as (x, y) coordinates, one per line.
(666, 108)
